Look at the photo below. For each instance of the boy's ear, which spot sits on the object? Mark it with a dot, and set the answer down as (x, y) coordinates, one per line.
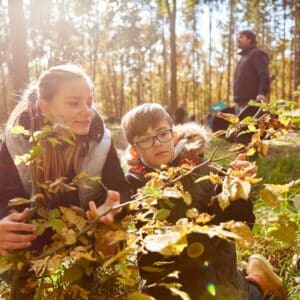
(44, 107)
(133, 151)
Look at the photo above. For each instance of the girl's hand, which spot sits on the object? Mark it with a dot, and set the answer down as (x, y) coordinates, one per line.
(112, 200)
(14, 233)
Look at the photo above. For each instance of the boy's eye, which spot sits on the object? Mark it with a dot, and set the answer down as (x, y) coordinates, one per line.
(145, 140)
(163, 134)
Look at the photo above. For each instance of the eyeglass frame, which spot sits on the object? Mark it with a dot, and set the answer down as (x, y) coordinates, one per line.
(155, 137)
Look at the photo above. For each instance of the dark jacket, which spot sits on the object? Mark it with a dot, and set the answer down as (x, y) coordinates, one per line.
(251, 75)
(217, 265)
(112, 176)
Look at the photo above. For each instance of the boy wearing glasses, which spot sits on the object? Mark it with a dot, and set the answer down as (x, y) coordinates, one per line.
(149, 130)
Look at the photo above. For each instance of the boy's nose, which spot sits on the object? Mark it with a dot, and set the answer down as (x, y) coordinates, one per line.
(157, 141)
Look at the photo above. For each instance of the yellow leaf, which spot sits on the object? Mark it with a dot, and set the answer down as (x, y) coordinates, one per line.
(250, 152)
(236, 147)
(215, 179)
(187, 198)
(162, 214)
(70, 216)
(192, 213)
(202, 178)
(195, 250)
(204, 218)
(139, 296)
(229, 117)
(219, 133)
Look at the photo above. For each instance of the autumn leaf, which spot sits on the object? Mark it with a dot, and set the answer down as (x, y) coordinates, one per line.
(175, 289)
(236, 147)
(71, 217)
(69, 236)
(219, 133)
(18, 129)
(286, 234)
(162, 214)
(234, 119)
(139, 296)
(58, 225)
(171, 243)
(19, 201)
(72, 274)
(192, 213)
(215, 178)
(195, 250)
(187, 198)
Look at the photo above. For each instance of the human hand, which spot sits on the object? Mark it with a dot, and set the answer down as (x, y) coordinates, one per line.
(14, 233)
(112, 199)
(241, 164)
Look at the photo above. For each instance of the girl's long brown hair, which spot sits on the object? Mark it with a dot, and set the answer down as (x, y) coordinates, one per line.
(61, 160)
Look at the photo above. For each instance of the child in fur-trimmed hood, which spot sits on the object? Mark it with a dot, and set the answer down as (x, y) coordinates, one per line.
(154, 142)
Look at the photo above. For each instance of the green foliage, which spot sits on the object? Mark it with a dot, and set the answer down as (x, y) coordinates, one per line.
(76, 265)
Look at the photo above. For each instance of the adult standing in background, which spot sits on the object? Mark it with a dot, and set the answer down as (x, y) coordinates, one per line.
(251, 79)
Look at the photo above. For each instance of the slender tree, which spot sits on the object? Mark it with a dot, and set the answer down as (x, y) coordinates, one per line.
(19, 59)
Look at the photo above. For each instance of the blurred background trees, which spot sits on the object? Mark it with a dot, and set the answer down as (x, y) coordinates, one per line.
(167, 51)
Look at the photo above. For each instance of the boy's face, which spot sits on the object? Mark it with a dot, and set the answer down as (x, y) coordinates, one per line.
(156, 146)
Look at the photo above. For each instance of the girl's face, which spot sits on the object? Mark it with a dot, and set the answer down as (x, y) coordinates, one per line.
(71, 106)
(162, 150)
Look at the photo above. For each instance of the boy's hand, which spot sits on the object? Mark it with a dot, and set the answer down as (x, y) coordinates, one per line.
(14, 233)
(241, 164)
(113, 199)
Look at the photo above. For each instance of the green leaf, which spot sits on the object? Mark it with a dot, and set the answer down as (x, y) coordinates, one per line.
(72, 274)
(162, 214)
(71, 217)
(54, 213)
(195, 250)
(53, 141)
(66, 140)
(58, 225)
(19, 130)
(286, 234)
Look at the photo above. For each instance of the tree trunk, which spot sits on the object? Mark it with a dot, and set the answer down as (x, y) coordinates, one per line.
(4, 94)
(19, 59)
(165, 71)
(172, 23)
(283, 78)
(230, 35)
(209, 58)
(297, 46)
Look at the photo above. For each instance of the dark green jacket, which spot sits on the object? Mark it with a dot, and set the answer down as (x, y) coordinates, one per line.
(216, 267)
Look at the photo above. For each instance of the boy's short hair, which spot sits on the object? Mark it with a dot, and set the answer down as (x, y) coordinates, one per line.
(138, 120)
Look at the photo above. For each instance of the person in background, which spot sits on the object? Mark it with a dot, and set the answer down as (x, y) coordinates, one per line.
(180, 115)
(63, 95)
(251, 79)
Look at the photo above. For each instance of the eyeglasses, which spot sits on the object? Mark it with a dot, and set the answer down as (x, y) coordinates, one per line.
(148, 142)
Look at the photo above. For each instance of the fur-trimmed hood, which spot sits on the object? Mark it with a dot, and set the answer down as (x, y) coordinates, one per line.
(190, 145)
